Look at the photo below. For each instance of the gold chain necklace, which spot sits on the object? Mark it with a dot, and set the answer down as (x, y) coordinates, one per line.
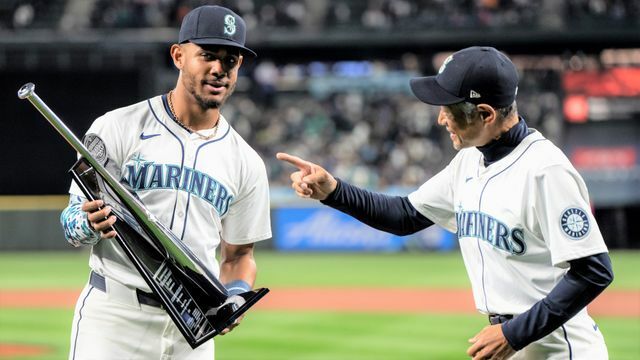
(185, 126)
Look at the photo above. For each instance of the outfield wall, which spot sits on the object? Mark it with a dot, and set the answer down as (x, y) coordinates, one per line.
(33, 223)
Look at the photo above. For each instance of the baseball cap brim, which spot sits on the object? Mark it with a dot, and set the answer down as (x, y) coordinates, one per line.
(223, 42)
(429, 91)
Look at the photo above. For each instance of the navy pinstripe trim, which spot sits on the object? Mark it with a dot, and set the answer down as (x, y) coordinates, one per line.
(564, 330)
(75, 341)
(484, 290)
(195, 160)
(480, 209)
(505, 169)
(164, 102)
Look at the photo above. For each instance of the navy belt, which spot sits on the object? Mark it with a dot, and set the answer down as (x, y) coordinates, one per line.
(499, 319)
(99, 282)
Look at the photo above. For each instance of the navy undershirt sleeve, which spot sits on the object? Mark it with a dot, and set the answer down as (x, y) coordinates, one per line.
(393, 214)
(584, 281)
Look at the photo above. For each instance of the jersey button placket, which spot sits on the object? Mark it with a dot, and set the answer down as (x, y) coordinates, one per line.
(189, 158)
(190, 149)
(183, 194)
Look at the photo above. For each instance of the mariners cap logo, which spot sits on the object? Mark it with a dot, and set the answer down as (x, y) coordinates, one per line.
(444, 64)
(575, 223)
(229, 24)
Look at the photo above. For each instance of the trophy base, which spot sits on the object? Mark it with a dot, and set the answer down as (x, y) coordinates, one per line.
(227, 314)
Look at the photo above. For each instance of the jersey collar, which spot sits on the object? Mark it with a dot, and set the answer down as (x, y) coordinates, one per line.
(498, 149)
(167, 118)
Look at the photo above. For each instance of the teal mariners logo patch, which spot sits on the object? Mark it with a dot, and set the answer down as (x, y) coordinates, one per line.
(575, 223)
(229, 25)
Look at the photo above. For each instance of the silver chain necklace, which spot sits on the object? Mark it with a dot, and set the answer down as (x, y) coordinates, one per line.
(185, 126)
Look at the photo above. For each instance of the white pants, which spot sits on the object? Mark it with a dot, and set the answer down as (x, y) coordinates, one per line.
(113, 325)
(579, 338)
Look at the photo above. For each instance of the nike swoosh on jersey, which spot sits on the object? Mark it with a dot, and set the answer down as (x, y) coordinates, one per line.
(145, 137)
(467, 179)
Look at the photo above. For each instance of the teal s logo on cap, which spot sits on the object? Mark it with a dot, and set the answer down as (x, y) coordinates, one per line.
(214, 25)
(229, 25)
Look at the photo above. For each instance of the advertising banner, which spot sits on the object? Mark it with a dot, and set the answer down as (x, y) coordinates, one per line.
(326, 229)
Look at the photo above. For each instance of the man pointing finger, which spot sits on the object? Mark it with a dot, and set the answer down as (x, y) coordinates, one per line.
(531, 246)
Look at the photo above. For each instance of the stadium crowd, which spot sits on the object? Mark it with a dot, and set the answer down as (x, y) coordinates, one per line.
(374, 14)
(327, 15)
(371, 132)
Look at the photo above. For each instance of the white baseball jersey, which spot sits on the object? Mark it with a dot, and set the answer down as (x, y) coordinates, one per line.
(203, 190)
(519, 221)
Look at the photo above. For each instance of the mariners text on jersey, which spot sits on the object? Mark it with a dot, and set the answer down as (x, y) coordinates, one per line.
(148, 175)
(479, 225)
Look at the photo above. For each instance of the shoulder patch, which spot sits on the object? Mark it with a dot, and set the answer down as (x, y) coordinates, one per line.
(575, 223)
(96, 147)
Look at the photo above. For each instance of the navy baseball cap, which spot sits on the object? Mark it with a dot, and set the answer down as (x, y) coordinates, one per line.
(479, 75)
(214, 25)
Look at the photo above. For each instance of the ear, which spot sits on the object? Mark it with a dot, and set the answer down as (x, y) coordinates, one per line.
(177, 54)
(487, 113)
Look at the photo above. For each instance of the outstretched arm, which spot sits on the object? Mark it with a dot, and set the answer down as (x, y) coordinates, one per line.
(311, 180)
(393, 214)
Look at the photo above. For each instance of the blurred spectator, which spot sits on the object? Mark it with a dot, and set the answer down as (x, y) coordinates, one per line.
(592, 12)
(23, 16)
(130, 13)
(358, 118)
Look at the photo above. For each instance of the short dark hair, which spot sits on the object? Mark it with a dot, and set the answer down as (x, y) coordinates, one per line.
(470, 111)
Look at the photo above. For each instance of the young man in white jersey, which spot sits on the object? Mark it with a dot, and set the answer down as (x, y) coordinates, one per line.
(192, 170)
(531, 247)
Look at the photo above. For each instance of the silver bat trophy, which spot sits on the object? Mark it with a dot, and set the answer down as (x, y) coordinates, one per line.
(194, 298)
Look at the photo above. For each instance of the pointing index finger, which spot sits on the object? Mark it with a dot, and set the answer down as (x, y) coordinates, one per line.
(294, 160)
